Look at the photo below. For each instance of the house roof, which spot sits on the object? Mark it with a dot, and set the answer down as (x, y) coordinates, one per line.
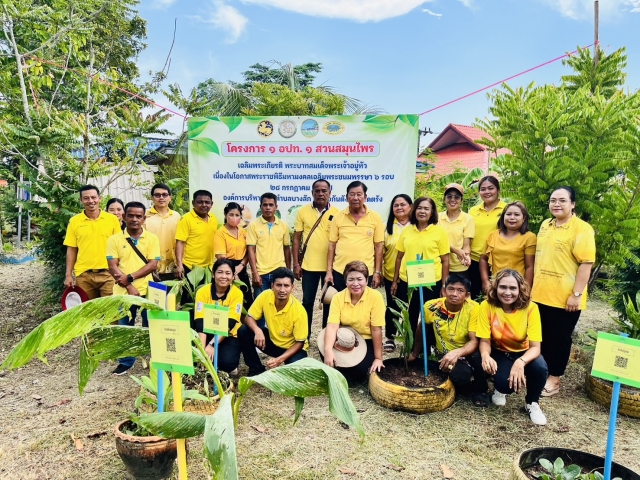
(454, 133)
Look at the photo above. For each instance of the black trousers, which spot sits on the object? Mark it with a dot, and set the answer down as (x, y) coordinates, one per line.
(473, 274)
(358, 373)
(339, 282)
(557, 327)
(428, 293)
(468, 376)
(535, 372)
(389, 327)
(310, 282)
(228, 353)
(251, 358)
(243, 276)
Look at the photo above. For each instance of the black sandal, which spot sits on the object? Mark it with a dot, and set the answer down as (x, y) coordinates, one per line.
(481, 400)
(389, 346)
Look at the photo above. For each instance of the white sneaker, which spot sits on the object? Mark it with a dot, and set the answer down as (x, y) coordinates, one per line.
(535, 413)
(499, 399)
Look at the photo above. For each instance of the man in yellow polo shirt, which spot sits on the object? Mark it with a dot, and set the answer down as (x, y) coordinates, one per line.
(163, 222)
(285, 336)
(311, 235)
(86, 242)
(357, 233)
(132, 255)
(268, 244)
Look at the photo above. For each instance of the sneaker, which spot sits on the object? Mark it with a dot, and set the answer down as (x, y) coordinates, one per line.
(535, 413)
(499, 399)
(121, 369)
(233, 373)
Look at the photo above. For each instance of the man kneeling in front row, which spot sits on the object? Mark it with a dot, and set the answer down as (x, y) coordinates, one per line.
(454, 318)
(284, 338)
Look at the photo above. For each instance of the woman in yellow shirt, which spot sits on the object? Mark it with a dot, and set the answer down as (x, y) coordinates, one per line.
(508, 326)
(426, 238)
(485, 218)
(511, 246)
(565, 253)
(221, 292)
(230, 242)
(399, 213)
(361, 308)
(459, 226)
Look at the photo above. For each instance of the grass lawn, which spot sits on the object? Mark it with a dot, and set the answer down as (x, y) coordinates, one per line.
(49, 432)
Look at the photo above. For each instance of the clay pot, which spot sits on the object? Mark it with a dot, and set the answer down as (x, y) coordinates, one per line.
(145, 458)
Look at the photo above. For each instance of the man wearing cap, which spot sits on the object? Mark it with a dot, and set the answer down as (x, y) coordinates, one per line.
(163, 222)
(459, 226)
(284, 338)
(86, 242)
(311, 245)
(357, 233)
(454, 319)
(132, 255)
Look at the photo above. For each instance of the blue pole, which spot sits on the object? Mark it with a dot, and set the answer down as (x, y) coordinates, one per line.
(423, 328)
(611, 434)
(215, 360)
(160, 383)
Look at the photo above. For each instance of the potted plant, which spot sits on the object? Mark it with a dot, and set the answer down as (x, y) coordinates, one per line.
(409, 393)
(548, 463)
(91, 321)
(600, 390)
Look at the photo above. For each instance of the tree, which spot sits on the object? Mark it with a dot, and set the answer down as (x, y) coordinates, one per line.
(578, 136)
(299, 75)
(608, 75)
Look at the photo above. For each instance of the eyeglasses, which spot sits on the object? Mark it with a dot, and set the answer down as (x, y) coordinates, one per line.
(453, 197)
(561, 201)
(161, 195)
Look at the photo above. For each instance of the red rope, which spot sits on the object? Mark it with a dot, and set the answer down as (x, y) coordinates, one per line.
(95, 77)
(505, 80)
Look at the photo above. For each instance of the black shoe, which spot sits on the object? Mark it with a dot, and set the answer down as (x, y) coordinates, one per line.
(253, 373)
(121, 369)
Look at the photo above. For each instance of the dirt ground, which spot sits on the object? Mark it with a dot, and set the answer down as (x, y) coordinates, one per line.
(48, 431)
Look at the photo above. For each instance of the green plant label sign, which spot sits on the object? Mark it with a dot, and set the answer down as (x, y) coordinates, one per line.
(421, 273)
(170, 339)
(617, 359)
(247, 156)
(216, 320)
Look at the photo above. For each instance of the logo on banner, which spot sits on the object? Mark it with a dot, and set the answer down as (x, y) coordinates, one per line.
(309, 128)
(333, 128)
(265, 128)
(287, 128)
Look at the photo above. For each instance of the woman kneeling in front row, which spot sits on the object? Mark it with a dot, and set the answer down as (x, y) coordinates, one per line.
(510, 334)
(352, 341)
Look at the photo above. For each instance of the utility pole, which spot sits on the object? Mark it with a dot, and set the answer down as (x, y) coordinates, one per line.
(596, 46)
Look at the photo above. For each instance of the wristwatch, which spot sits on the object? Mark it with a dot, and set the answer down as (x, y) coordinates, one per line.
(577, 294)
(377, 273)
(130, 278)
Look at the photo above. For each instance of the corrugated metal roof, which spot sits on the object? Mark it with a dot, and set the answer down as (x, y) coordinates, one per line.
(129, 188)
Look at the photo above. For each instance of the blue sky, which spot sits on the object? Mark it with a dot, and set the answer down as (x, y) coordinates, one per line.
(405, 56)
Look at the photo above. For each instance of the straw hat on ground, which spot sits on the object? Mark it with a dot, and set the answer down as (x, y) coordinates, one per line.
(349, 349)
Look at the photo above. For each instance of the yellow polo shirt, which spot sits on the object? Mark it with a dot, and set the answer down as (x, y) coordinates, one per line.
(355, 241)
(461, 228)
(129, 261)
(231, 247)
(90, 238)
(287, 326)
(485, 223)
(559, 253)
(390, 251)
(509, 253)
(233, 300)
(451, 328)
(164, 227)
(269, 242)
(315, 257)
(366, 313)
(509, 332)
(198, 237)
(431, 243)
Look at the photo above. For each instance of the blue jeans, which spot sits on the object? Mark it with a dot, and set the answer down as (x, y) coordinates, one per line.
(267, 280)
(129, 361)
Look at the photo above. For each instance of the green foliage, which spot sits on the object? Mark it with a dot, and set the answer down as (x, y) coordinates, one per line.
(624, 282)
(404, 333)
(558, 471)
(629, 322)
(275, 99)
(149, 392)
(607, 77)
(432, 185)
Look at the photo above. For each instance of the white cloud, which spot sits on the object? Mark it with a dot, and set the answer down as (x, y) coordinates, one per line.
(357, 10)
(227, 18)
(467, 3)
(583, 9)
(163, 3)
(432, 13)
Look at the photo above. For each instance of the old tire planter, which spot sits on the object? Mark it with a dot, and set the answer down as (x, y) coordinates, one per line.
(600, 390)
(146, 458)
(412, 400)
(531, 457)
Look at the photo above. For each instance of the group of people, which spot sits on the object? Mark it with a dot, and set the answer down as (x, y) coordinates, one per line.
(534, 285)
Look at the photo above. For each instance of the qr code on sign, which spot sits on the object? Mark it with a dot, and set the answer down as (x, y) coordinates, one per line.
(621, 362)
(420, 275)
(171, 345)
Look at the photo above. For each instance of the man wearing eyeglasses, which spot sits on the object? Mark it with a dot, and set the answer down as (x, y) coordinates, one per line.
(163, 222)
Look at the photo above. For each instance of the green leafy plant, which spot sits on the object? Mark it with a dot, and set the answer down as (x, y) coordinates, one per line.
(7, 247)
(558, 471)
(197, 278)
(404, 333)
(630, 322)
(91, 322)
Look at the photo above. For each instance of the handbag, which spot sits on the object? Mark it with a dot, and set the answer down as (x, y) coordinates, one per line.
(155, 275)
(306, 242)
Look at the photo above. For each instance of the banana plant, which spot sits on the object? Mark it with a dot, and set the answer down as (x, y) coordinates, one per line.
(149, 391)
(91, 321)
